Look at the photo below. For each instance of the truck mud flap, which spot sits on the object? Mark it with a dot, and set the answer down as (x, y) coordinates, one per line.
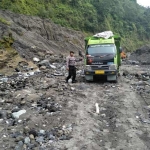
(112, 78)
(89, 77)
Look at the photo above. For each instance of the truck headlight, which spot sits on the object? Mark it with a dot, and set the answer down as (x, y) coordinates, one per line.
(113, 67)
(88, 67)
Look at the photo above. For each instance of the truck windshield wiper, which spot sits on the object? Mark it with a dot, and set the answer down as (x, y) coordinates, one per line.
(103, 55)
(109, 54)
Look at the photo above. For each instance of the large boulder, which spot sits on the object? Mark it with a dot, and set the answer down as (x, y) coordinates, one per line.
(141, 55)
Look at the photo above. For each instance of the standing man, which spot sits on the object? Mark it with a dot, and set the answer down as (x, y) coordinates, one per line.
(71, 66)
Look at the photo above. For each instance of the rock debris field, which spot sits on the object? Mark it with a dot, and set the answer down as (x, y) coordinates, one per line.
(39, 111)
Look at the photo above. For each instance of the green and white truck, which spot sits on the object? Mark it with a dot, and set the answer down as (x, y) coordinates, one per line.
(102, 56)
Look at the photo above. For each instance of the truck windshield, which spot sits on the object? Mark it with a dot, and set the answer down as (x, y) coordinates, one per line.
(101, 49)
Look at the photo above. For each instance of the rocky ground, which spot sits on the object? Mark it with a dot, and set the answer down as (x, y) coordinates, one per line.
(141, 56)
(39, 111)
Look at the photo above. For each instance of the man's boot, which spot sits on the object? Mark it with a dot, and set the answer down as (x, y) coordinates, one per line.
(74, 81)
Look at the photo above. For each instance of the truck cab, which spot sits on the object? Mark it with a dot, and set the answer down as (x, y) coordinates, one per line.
(102, 57)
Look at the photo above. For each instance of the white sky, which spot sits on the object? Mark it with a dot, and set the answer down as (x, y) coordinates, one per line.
(145, 3)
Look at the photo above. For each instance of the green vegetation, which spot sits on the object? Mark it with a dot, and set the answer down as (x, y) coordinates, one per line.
(125, 17)
(6, 41)
(2, 20)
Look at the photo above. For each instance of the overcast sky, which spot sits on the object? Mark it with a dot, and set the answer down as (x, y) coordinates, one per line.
(145, 3)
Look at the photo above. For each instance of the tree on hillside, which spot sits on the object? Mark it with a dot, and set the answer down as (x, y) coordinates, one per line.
(124, 17)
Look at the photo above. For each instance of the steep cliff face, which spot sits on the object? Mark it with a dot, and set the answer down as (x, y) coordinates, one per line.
(36, 37)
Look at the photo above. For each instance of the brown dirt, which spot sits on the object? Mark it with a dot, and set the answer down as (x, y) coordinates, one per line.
(9, 59)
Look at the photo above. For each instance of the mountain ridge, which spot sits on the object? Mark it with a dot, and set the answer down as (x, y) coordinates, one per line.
(126, 18)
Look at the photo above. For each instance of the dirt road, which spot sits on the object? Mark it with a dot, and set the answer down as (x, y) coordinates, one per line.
(118, 126)
(62, 116)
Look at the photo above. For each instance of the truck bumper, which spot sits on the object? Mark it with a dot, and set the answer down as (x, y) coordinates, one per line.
(100, 72)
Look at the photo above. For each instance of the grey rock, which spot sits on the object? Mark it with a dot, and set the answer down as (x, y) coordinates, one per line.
(40, 139)
(23, 102)
(41, 148)
(31, 146)
(148, 81)
(144, 78)
(20, 143)
(18, 114)
(42, 67)
(26, 130)
(33, 132)
(1, 129)
(54, 86)
(33, 97)
(145, 120)
(125, 73)
(42, 132)
(19, 138)
(3, 114)
(27, 140)
(16, 109)
(141, 83)
(144, 62)
(45, 86)
(82, 86)
(44, 63)
(147, 107)
(31, 136)
(36, 59)
(51, 137)
(141, 55)
(17, 147)
(58, 74)
(16, 134)
(4, 80)
(53, 67)
(64, 137)
(36, 148)
(72, 88)
(3, 93)
(147, 91)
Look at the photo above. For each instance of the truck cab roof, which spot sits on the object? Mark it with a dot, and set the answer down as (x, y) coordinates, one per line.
(98, 40)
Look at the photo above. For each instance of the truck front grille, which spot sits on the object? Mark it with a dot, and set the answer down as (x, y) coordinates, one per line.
(103, 67)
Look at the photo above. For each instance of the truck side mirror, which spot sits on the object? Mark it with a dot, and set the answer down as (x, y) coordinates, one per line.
(120, 49)
(80, 53)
